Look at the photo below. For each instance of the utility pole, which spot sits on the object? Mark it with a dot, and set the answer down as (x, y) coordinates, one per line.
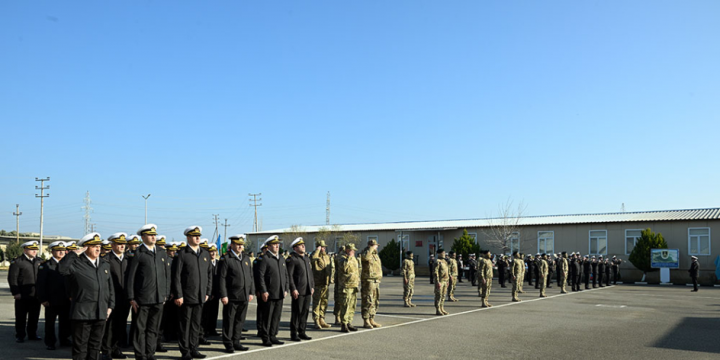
(92, 227)
(622, 208)
(327, 210)
(217, 232)
(225, 237)
(17, 214)
(87, 209)
(254, 201)
(145, 197)
(42, 197)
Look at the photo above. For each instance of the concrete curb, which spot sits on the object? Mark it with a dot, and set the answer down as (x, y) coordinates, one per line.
(640, 283)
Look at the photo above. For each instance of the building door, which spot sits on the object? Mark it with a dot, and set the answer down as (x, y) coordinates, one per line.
(432, 247)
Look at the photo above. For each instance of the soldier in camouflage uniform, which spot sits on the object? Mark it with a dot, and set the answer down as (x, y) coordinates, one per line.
(562, 276)
(336, 290)
(485, 277)
(542, 273)
(371, 275)
(453, 270)
(322, 273)
(348, 280)
(408, 272)
(441, 277)
(517, 272)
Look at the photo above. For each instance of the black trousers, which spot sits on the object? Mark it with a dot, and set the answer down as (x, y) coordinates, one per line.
(270, 312)
(27, 314)
(147, 325)
(258, 317)
(210, 316)
(576, 283)
(170, 324)
(116, 328)
(501, 275)
(616, 273)
(190, 317)
(548, 281)
(300, 308)
(537, 279)
(695, 283)
(607, 278)
(600, 278)
(432, 271)
(460, 274)
(87, 336)
(587, 280)
(473, 277)
(62, 314)
(233, 321)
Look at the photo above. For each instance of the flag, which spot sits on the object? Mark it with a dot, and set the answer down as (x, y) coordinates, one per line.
(717, 267)
(219, 244)
(224, 248)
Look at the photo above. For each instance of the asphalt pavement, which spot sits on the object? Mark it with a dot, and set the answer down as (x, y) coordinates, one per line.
(618, 322)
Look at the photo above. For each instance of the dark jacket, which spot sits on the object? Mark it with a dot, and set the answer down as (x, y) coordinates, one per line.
(300, 273)
(601, 267)
(22, 276)
(91, 288)
(586, 266)
(146, 280)
(236, 278)
(694, 269)
(51, 284)
(272, 277)
(118, 271)
(192, 275)
(215, 278)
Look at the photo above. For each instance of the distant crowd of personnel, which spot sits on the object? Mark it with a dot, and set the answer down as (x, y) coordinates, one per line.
(172, 291)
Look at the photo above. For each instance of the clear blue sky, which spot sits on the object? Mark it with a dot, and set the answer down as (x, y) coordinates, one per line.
(403, 110)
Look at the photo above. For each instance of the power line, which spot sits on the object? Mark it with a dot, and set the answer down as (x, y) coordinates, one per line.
(327, 210)
(225, 237)
(254, 201)
(42, 197)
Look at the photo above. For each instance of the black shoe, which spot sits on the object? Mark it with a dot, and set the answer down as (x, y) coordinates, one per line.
(186, 357)
(240, 347)
(35, 338)
(197, 355)
(229, 349)
(203, 341)
(245, 330)
(267, 343)
(51, 347)
(275, 341)
(19, 340)
(549, 287)
(304, 337)
(160, 348)
(151, 357)
(105, 357)
(117, 354)
(294, 338)
(66, 343)
(243, 338)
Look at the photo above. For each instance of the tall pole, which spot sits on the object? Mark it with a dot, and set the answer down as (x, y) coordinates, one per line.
(17, 214)
(254, 201)
(145, 197)
(226, 225)
(42, 197)
(327, 210)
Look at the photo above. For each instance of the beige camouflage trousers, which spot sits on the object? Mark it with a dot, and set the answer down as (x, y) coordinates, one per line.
(320, 302)
(348, 302)
(370, 298)
(440, 292)
(409, 289)
(451, 287)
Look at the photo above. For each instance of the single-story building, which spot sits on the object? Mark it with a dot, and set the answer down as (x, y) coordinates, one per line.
(608, 234)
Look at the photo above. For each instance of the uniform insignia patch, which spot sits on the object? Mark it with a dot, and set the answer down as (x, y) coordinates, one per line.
(246, 263)
(205, 259)
(106, 271)
(163, 259)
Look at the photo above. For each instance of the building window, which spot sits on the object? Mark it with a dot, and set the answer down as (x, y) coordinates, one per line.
(474, 237)
(631, 238)
(372, 237)
(546, 242)
(514, 242)
(699, 241)
(598, 242)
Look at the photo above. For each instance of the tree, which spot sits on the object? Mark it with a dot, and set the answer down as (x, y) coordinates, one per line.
(12, 251)
(349, 238)
(328, 234)
(465, 245)
(390, 255)
(294, 232)
(640, 256)
(506, 226)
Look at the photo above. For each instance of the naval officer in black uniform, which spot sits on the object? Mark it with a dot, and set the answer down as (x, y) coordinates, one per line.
(302, 285)
(22, 277)
(272, 284)
(236, 288)
(52, 295)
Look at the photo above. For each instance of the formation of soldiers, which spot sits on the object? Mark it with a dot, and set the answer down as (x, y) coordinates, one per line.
(172, 291)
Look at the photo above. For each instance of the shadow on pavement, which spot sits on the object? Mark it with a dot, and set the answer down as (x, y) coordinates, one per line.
(693, 334)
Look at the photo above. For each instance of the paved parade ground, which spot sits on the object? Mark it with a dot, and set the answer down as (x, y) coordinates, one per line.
(617, 322)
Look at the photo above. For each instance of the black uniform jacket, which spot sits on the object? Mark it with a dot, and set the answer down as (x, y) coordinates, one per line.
(586, 266)
(272, 276)
(51, 284)
(147, 279)
(694, 269)
(118, 271)
(215, 278)
(236, 278)
(300, 273)
(22, 276)
(192, 275)
(91, 287)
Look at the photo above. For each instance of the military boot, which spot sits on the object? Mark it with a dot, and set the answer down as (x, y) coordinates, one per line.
(442, 308)
(484, 304)
(411, 304)
(324, 324)
(318, 325)
(438, 312)
(351, 328)
(337, 320)
(406, 303)
(487, 303)
(344, 328)
(374, 324)
(367, 324)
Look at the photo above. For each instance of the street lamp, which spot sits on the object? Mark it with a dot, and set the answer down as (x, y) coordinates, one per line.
(146, 197)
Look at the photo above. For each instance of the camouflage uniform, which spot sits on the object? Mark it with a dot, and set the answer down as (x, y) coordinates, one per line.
(441, 276)
(563, 273)
(348, 280)
(371, 276)
(543, 272)
(485, 279)
(336, 291)
(453, 270)
(517, 271)
(322, 273)
(408, 272)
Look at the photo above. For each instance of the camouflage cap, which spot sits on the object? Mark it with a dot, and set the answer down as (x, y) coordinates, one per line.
(350, 246)
(320, 243)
